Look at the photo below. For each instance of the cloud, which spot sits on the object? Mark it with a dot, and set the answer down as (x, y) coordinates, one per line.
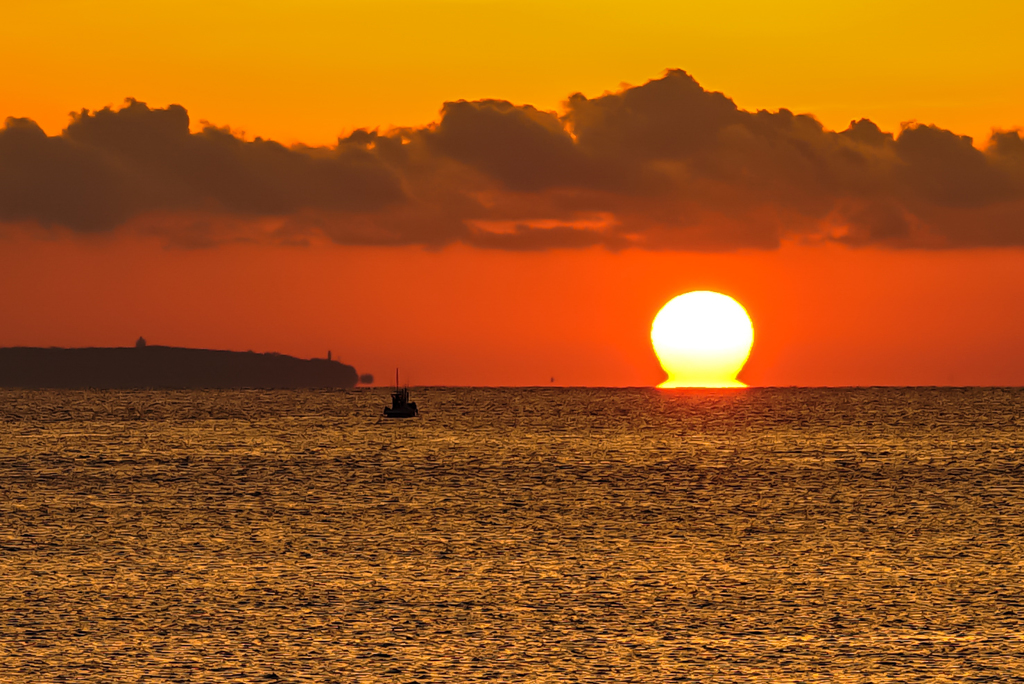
(665, 165)
(109, 167)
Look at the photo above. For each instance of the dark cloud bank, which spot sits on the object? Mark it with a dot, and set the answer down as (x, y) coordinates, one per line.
(666, 165)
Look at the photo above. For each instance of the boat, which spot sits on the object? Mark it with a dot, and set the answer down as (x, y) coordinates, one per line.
(401, 407)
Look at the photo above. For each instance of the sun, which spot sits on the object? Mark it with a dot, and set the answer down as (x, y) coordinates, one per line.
(702, 339)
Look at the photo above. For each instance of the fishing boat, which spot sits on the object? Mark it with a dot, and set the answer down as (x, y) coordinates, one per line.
(400, 407)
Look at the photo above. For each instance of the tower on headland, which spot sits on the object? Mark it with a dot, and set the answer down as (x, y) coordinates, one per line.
(140, 343)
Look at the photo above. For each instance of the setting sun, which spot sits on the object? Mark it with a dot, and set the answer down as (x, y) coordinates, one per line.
(702, 339)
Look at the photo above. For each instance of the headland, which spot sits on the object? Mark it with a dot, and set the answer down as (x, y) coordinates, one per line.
(158, 367)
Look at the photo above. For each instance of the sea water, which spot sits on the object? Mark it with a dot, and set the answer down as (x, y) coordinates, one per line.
(542, 535)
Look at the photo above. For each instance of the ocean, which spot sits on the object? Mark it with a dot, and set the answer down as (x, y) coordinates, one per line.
(536, 535)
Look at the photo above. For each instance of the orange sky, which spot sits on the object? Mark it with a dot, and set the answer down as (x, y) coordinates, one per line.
(309, 70)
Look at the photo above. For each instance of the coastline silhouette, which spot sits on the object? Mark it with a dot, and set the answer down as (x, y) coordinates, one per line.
(159, 367)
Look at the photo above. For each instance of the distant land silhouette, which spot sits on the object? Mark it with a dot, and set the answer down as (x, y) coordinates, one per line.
(157, 367)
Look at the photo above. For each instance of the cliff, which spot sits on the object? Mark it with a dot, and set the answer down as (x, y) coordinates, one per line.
(165, 367)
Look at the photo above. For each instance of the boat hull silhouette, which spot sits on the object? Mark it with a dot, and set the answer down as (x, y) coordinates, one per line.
(408, 411)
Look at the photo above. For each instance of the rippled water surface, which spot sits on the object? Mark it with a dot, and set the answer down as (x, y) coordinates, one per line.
(512, 535)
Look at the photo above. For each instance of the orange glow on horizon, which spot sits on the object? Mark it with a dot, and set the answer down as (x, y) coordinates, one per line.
(827, 315)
